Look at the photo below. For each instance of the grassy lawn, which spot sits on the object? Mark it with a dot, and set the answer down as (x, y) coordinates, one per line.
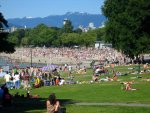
(99, 92)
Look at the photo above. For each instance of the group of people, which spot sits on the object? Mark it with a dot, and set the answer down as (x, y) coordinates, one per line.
(12, 81)
(100, 70)
(52, 104)
(35, 77)
(31, 77)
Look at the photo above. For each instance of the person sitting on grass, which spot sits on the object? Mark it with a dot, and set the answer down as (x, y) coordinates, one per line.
(6, 98)
(81, 70)
(115, 78)
(37, 82)
(62, 81)
(146, 65)
(147, 79)
(95, 77)
(52, 104)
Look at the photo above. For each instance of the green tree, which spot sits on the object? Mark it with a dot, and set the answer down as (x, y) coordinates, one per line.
(13, 38)
(17, 36)
(42, 35)
(69, 39)
(47, 36)
(5, 45)
(35, 35)
(67, 27)
(127, 25)
(25, 41)
(88, 39)
(78, 30)
(100, 34)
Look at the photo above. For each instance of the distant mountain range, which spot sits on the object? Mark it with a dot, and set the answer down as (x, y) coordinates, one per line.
(76, 18)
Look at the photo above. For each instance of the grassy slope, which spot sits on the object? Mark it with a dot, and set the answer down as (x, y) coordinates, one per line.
(96, 92)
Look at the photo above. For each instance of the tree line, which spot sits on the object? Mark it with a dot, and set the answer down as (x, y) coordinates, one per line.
(66, 36)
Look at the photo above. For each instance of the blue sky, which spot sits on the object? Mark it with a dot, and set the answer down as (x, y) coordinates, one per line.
(43, 8)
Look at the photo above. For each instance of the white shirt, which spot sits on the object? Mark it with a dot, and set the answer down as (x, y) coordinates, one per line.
(7, 77)
(62, 81)
(16, 77)
(97, 70)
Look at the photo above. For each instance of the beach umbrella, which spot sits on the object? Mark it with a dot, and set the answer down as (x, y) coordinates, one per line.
(49, 67)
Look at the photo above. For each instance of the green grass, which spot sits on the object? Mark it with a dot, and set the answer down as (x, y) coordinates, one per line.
(106, 109)
(96, 92)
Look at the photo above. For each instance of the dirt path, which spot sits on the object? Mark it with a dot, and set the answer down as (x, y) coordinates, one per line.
(113, 104)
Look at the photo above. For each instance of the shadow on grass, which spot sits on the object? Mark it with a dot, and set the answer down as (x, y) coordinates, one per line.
(31, 105)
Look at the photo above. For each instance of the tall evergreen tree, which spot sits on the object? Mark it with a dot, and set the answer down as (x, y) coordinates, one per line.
(67, 27)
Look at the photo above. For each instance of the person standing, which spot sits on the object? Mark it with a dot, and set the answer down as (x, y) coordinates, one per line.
(7, 78)
(17, 80)
(26, 80)
(65, 67)
(69, 71)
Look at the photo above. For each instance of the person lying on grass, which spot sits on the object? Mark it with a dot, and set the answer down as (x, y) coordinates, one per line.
(128, 86)
(81, 71)
(32, 96)
(114, 78)
(147, 79)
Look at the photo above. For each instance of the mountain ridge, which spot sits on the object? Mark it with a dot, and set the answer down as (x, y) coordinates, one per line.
(77, 19)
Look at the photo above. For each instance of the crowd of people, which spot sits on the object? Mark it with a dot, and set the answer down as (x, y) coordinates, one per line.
(34, 77)
(70, 55)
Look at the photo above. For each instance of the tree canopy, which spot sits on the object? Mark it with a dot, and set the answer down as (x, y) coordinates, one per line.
(5, 45)
(67, 27)
(127, 25)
